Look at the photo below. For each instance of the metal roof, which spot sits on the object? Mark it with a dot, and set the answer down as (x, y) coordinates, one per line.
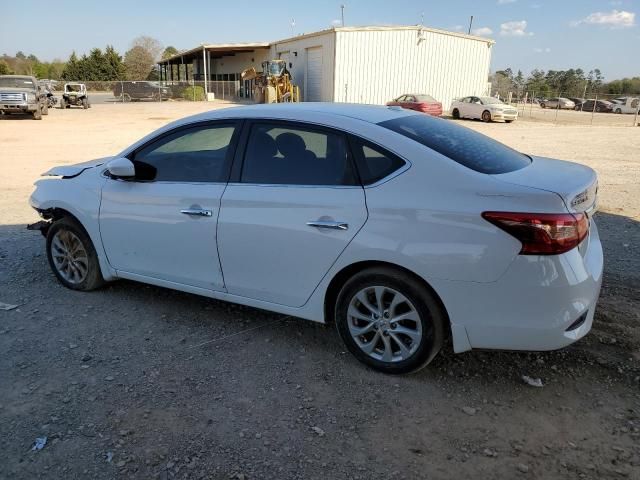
(218, 48)
(224, 49)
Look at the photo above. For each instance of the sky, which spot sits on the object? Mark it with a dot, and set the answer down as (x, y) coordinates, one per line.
(529, 34)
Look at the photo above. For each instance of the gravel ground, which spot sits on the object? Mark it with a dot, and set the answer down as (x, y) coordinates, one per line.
(134, 381)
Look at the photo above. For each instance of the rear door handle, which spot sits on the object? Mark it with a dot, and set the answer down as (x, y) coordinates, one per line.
(330, 225)
(197, 212)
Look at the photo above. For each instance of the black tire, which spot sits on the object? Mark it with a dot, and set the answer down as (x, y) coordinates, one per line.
(45, 109)
(598, 109)
(37, 113)
(85, 103)
(486, 116)
(63, 104)
(456, 114)
(432, 317)
(509, 121)
(93, 278)
(543, 105)
(618, 111)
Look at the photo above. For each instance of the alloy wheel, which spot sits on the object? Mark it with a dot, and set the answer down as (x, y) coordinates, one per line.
(384, 324)
(69, 257)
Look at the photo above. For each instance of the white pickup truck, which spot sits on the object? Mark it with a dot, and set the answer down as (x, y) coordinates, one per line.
(625, 105)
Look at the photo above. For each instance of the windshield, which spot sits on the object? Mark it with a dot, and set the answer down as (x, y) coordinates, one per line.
(73, 88)
(274, 68)
(425, 98)
(491, 101)
(461, 144)
(16, 82)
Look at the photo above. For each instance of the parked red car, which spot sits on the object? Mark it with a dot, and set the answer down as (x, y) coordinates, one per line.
(420, 102)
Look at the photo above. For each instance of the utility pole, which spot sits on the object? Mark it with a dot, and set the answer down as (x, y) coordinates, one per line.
(422, 18)
(342, 13)
(470, 24)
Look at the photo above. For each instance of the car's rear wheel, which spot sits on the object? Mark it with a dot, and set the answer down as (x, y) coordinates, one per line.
(72, 256)
(389, 320)
(543, 105)
(618, 111)
(486, 116)
(456, 113)
(126, 97)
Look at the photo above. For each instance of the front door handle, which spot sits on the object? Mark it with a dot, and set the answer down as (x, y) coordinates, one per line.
(330, 225)
(197, 212)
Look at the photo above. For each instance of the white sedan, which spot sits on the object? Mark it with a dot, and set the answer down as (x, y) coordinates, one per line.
(403, 229)
(487, 109)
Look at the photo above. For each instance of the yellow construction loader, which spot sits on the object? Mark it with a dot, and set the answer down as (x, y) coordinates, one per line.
(273, 84)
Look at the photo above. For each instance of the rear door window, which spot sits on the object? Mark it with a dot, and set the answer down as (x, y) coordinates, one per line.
(293, 154)
(461, 144)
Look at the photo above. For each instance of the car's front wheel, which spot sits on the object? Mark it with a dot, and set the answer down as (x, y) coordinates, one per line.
(486, 116)
(389, 320)
(72, 256)
(456, 113)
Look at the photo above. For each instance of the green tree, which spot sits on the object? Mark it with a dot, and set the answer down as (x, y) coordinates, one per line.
(4, 68)
(72, 68)
(170, 51)
(138, 62)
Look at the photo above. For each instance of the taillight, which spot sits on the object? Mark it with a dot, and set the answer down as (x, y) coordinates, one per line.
(542, 233)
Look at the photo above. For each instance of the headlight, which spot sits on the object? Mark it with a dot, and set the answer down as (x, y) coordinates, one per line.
(31, 97)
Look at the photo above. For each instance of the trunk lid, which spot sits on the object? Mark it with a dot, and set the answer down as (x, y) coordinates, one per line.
(576, 184)
(70, 171)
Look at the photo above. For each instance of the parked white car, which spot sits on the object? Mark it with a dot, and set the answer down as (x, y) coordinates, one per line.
(486, 109)
(401, 228)
(625, 105)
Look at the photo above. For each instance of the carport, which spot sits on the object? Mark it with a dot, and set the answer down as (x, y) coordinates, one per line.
(213, 63)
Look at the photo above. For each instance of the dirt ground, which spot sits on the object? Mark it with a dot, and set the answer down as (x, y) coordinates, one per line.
(134, 381)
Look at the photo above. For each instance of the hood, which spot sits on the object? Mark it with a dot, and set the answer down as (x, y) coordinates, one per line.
(70, 171)
(576, 184)
(17, 90)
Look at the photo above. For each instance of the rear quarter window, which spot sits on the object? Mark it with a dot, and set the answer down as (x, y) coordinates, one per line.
(462, 145)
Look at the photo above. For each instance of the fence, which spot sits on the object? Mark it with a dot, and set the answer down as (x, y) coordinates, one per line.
(153, 91)
(561, 108)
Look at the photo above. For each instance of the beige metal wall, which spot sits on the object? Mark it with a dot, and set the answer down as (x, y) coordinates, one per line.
(375, 66)
(295, 52)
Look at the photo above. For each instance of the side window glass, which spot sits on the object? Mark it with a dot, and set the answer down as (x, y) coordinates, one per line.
(281, 154)
(411, 98)
(198, 154)
(374, 163)
(402, 98)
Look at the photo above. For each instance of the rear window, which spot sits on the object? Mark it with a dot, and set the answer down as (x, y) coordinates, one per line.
(462, 145)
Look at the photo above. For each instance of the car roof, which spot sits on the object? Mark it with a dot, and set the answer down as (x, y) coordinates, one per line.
(305, 111)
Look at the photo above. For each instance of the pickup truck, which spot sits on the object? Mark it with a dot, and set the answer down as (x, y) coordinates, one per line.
(625, 105)
(22, 94)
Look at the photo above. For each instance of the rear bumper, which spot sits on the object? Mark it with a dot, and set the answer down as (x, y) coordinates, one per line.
(540, 303)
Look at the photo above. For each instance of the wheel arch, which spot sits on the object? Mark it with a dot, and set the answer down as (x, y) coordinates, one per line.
(341, 277)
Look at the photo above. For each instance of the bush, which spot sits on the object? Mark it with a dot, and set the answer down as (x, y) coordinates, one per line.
(194, 93)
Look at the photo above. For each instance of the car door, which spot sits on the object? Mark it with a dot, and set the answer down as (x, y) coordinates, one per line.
(398, 101)
(409, 102)
(463, 107)
(292, 207)
(475, 107)
(162, 223)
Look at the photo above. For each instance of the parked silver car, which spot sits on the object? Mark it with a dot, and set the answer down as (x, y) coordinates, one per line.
(558, 102)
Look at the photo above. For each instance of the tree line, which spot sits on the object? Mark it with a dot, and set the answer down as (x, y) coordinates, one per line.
(568, 83)
(138, 63)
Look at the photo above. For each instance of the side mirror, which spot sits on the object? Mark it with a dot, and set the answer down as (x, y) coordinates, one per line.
(121, 168)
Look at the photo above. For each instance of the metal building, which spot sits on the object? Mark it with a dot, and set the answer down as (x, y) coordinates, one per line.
(352, 64)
